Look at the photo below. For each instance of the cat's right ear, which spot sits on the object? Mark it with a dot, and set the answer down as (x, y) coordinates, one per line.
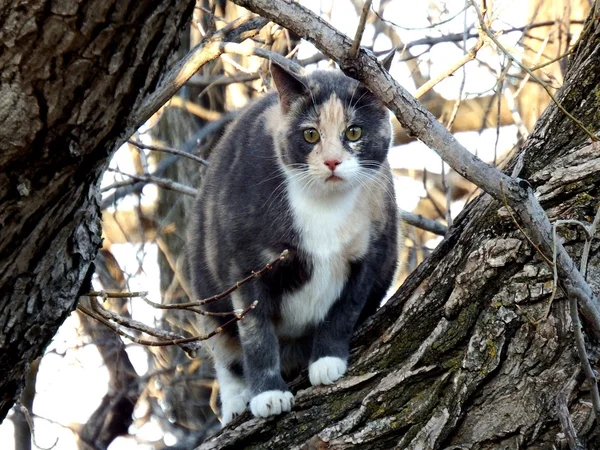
(288, 84)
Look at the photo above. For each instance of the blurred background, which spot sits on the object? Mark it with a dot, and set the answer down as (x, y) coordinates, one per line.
(94, 389)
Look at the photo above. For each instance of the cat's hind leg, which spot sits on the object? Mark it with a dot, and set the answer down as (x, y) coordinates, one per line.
(233, 392)
(227, 357)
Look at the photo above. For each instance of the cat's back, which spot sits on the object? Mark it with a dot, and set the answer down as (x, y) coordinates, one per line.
(244, 152)
(236, 189)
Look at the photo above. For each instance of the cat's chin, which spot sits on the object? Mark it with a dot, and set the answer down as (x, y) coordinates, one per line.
(334, 185)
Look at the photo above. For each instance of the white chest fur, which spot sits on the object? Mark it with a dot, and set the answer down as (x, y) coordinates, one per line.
(333, 231)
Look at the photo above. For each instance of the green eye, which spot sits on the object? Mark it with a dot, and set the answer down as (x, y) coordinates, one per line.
(353, 133)
(311, 136)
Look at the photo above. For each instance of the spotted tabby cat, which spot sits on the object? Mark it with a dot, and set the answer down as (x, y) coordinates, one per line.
(302, 169)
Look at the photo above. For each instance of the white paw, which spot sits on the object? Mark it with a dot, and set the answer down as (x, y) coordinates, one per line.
(233, 407)
(326, 370)
(270, 403)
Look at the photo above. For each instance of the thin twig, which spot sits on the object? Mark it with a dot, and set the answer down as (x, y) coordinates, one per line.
(458, 37)
(493, 38)
(424, 223)
(223, 80)
(106, 295)
(188, 306)
(162, 182)
(31, 424)
(583, 357)
(183, 342)
(360, 29)
(206, 114)
(228, 291)
(469, 56)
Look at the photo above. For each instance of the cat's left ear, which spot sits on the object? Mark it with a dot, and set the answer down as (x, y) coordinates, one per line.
(288, 84)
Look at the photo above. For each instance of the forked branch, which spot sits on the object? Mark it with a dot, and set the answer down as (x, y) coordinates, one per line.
(190, 344)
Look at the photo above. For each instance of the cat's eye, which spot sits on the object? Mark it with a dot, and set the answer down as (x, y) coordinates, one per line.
(353, 133)
(311, 136)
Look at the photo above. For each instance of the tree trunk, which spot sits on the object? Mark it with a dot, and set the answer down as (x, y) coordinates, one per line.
(462, 356)
(71, 74)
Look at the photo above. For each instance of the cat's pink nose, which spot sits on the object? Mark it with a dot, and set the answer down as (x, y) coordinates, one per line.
(332, 163)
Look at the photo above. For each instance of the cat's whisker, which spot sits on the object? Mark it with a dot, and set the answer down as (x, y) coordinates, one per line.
(365, 106)
(359, 99)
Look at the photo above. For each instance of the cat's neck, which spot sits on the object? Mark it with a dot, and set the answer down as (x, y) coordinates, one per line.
(321, 216)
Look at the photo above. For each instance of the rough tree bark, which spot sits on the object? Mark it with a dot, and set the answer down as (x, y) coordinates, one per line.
(462, 356)
(71, 74)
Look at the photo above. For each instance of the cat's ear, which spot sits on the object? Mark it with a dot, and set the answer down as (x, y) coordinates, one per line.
(288, 84)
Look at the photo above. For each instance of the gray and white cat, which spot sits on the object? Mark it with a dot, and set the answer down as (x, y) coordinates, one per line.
(302, 169)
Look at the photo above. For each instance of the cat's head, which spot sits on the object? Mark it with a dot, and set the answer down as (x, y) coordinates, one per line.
(332, 134)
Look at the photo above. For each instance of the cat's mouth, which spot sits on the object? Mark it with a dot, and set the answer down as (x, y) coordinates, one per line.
(334, 179)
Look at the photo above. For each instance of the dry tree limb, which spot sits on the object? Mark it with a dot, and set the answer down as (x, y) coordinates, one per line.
(106, 295)
(31, 424)
(424, 223)
(361, 28)
(193, 306)
(222, 80)
(469, 56)
(148, 178)
(422, 124)
(189, 344)
(459, 37)
(232, 47)
(206, 114)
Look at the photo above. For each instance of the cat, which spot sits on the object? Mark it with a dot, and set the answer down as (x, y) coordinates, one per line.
(302, 169)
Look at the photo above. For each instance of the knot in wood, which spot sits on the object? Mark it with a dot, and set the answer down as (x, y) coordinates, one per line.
(351, 71)
(524, 184)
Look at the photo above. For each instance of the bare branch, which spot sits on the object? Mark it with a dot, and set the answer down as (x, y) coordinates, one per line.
(162, 182)
(173, 151)
(424, 223)
(30, 422)
(360, 29)
(189, 344)
(193, 305)
(469, 56)
(223, 80)
(194, 108)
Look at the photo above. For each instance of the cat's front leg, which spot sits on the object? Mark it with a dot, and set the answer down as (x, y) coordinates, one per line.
(329, 359)
(270, 394)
